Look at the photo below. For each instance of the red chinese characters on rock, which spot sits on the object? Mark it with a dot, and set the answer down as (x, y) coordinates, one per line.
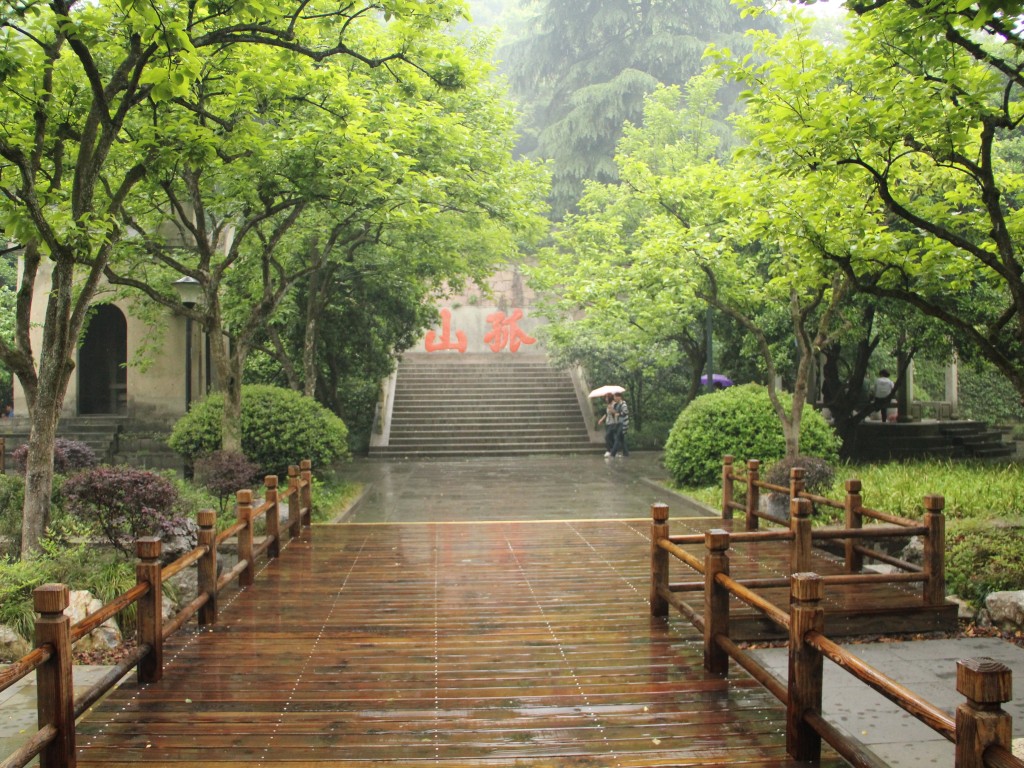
(506, 332)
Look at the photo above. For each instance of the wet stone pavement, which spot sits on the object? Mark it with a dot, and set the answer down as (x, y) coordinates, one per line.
(537, 487)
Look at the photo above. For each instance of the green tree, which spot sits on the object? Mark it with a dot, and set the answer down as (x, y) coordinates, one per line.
(683, 231)
(74, 76)
(915, 120)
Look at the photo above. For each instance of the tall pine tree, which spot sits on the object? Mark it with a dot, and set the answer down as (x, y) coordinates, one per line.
(581, 68)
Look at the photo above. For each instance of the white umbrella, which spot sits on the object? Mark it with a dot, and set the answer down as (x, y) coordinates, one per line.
(607, 389)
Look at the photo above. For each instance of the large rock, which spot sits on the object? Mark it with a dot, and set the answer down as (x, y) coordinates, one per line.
(106, 636)
(12, 645)
(1006, 609)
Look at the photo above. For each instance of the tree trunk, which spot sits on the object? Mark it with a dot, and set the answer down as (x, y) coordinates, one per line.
(45, 401)
(38, 481)
(227, 361)
(231, 426)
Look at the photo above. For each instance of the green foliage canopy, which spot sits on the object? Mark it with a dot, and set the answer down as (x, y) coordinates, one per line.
(741, 422)
(280, 428)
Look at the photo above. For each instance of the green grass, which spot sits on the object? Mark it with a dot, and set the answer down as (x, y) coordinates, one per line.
(984, 508)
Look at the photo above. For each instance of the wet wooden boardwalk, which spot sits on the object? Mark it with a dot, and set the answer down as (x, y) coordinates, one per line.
(525, 644)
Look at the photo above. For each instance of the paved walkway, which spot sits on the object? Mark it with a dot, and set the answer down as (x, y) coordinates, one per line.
(528, 488)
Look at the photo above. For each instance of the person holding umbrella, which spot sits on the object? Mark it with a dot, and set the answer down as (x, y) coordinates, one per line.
(610, 419)
(619, 404)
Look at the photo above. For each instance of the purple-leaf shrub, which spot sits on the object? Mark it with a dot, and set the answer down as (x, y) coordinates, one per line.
(126, 503)
(223, 473)
(68, 456)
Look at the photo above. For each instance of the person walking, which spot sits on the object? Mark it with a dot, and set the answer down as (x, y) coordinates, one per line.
(883, 394)
(622, 409)
(610, 419)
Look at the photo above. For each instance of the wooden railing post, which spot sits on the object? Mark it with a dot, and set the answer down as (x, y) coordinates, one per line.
(797, 482)
(805, 666)
(150, 616)
(716, 601)
(935, 550)
(294, 503)
(54, 684)
(753, 494)
(854, 521)
(800, 524)
(727, 487)
(981, 721)
(306, 474)
(243, 507)
(207, 568)
(273, 516)
(659, 559)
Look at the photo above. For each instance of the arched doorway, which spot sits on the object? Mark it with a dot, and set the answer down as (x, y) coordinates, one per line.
(102, 363)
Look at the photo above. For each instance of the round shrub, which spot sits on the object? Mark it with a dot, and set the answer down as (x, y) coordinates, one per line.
(819, 476)
(739, 421)
(124, 503)
(279, 427)
(223, 473)
(68, 456)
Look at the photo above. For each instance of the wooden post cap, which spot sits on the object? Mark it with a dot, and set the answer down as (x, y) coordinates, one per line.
(727, 459)
(934, 502)
(206, 518)
(659, 512)
(800, 507)
(305, 465)
(753, 465)
(806, 587)
(270, 481)
(797, 473)
(853, 486)
(243, 496)
(293, 470)
(984, 681)
(51, 598)
(148, 548)
(716, 540)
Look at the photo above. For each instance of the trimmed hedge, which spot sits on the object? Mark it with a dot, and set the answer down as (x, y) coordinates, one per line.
(279, 427)
(739, 421)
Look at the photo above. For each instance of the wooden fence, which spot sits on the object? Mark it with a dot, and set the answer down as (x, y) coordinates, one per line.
(51, 659)
(981, 729)
(931, 528)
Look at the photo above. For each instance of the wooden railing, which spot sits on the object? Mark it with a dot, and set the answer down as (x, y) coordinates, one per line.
(931, 528)
(51, 658)
(981, 729)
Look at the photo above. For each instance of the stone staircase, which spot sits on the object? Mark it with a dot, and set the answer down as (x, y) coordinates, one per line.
(114, 440)
(479, 406)
(932, 439)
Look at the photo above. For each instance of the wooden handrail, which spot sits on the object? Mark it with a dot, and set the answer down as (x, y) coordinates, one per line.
(931, 528)
(54, 742)
(189, 558)
(24, 666)
(981, 729)
(82, 628)
(751, 598)
(28, 751)
(904, 698)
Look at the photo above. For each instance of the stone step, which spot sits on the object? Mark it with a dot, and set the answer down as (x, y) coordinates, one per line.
(482, 449)
(496, 423)
(423, 437)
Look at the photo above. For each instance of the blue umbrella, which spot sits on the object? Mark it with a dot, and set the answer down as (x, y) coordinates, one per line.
(717, 379)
